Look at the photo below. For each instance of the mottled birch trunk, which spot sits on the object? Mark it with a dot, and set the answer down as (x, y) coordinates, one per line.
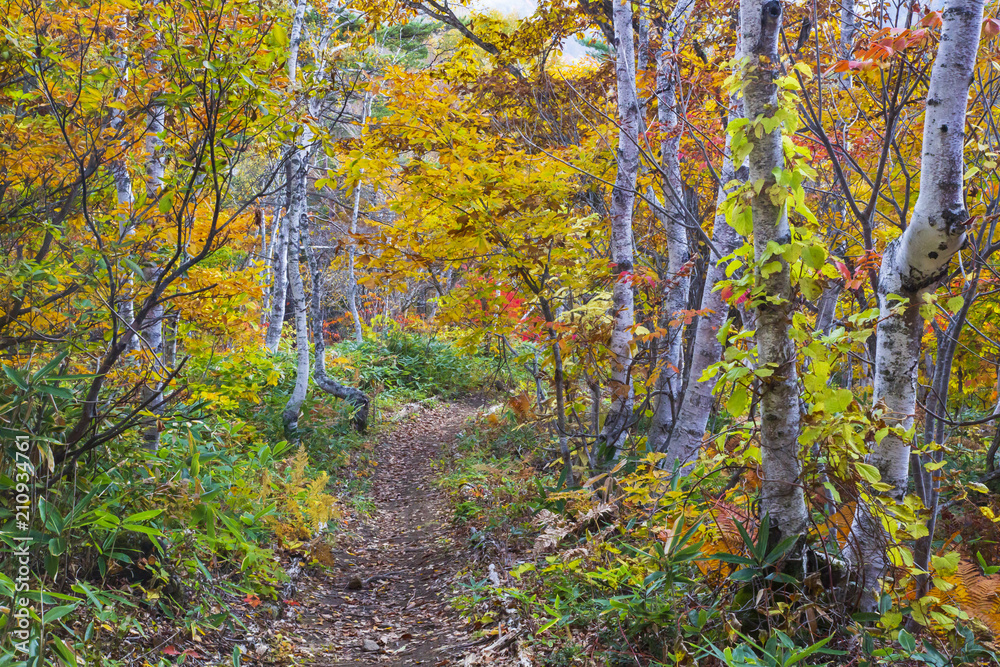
(672, 218)
(279, 283)
(352, 280)
(279, 288)
(152, 329)
(782, 496)
(913, 264)
(354, 397)
(696, 406)
(297, 210)
(617, 422)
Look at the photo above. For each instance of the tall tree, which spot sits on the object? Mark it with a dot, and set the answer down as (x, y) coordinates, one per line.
(782, 497)
(673, 217)
(616, 423)
(913, 265)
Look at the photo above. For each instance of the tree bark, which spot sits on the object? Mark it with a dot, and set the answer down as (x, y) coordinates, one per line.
(279, 286)
(358, 399)
(696, 406)
(672, 218)
(782, 497)
(913, 264)
(297, 210)
(617, 422)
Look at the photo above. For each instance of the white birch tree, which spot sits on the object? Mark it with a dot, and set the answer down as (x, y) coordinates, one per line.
(912, 265)
(782, 497)
(616, 423)
(671, 216)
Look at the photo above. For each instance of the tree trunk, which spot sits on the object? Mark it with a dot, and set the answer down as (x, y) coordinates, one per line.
(913, 264)
(782, 497)
(354, 397)
(617, 422)
(152, 332)
(696, 406)
(282, 271)
(297, 211)
(928, 485)
(672, 217)
(352, 281)
(279, 284)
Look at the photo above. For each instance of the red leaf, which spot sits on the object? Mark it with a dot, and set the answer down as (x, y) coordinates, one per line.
(170, 650)
(727, 293)
(991, 28)
(743, 297)
(252, 600)
(844, 271)
(291, 603)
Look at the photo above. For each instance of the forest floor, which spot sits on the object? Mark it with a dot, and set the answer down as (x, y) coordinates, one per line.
(386, 599)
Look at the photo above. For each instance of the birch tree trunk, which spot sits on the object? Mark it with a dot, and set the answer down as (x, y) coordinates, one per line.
(297, 171)
(696, 406)
(782, 496)
(616, 423)
(358, 399)
(152, 331)
(672, 217)
(279, 289)
(352, 280)
(911, 265)
(279, 285)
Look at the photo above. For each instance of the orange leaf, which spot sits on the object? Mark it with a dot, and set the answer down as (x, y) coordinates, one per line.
(932, 20)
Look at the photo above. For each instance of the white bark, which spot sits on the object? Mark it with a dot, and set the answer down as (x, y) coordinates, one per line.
(672, 217)
(297, 210)
(355, 397)
(914, 264)
(782, 496)
(696, 406)
(352, 280)
(152, 331)
(622, 202)
(279, 283)
(281, 265)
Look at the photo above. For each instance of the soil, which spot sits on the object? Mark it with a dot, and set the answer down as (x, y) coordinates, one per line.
(385, 601)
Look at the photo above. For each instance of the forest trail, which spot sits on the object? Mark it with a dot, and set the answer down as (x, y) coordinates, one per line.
(386, 600)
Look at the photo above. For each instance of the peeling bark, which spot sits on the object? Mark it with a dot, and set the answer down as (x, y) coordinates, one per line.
(279, 287)
(913, 264)
(696, 406)
(298, 169)
(617, 422)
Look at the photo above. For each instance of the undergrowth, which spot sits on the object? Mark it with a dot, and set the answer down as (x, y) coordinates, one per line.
(636, 567)
(149, 549)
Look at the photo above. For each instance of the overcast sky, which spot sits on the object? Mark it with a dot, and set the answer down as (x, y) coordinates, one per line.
(572, 49)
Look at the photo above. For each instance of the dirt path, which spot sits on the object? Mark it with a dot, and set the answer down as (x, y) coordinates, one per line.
(386, 600)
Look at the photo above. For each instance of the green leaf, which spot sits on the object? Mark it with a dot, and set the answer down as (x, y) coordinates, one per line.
(746, 574)
(166, 202)
(15, 377)
(146, 530)
(814, 256)
(838, 400)
(56, 613)
(869, 473)
(907, 641)
(142, 516)
(737, 402)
